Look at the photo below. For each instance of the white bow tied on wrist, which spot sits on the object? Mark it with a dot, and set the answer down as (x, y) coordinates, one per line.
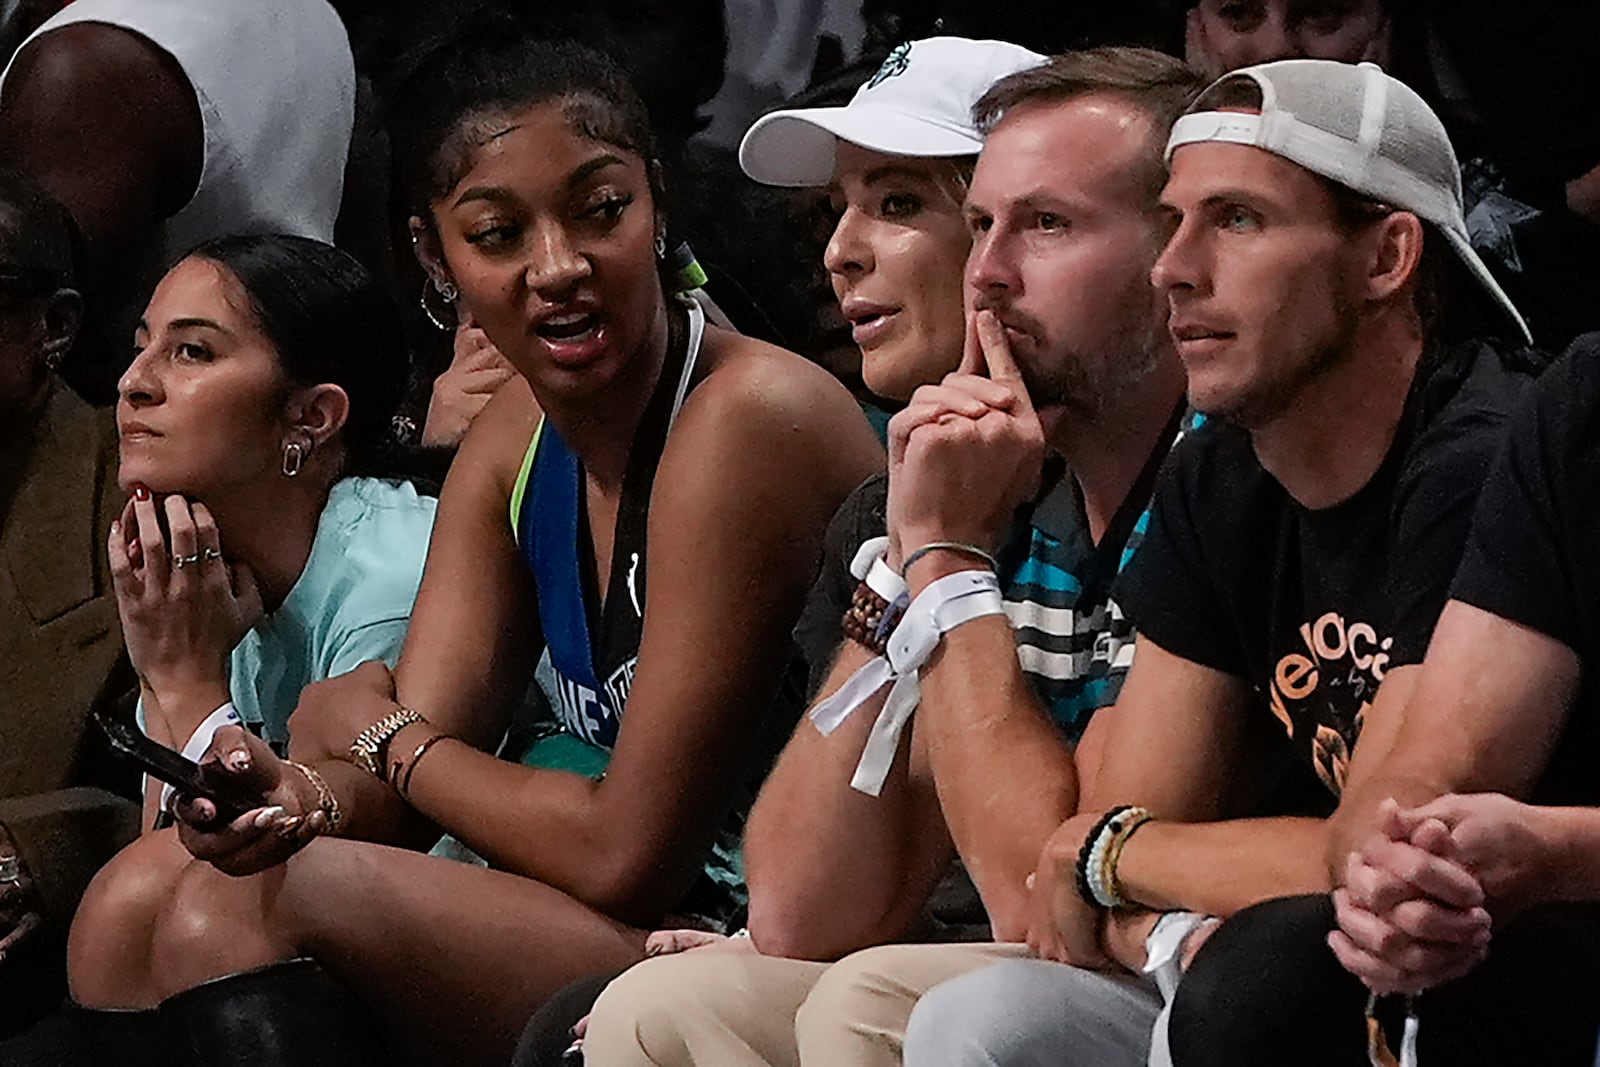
(945, 604)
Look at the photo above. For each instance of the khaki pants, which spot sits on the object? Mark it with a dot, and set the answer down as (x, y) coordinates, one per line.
(721, 1007)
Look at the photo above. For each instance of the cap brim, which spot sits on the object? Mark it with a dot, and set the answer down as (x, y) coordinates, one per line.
(1480, 270)
(796, 148)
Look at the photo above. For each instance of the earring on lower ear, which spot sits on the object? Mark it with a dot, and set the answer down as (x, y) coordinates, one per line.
(661, 246)
(53, 360)
(294, 458)
(448, 292)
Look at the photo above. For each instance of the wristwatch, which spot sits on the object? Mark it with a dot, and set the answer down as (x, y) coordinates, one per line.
(367, 750)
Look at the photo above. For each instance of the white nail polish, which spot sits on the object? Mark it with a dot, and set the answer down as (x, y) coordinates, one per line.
(266, 816)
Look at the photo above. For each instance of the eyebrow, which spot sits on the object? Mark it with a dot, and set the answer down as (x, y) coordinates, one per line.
(580, 174)
(1038, 200)
(192, 322)
(894, 170)
(1223, 196)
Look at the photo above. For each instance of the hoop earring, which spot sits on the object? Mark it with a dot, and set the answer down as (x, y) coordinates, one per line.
(448, 291)
(294, 458)
(661, 246)
(53, 360)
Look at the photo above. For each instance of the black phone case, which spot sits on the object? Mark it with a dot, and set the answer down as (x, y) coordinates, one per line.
(174, 768)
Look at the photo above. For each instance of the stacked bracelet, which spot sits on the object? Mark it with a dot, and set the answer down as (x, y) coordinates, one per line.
(367, 750)
(860, 623)
(325, 798)
(1101, 851)
(871, 618)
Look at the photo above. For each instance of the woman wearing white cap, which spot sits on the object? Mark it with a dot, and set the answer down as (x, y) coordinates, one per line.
(895, 161)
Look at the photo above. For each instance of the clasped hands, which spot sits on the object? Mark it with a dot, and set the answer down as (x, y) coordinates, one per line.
(1421, 893)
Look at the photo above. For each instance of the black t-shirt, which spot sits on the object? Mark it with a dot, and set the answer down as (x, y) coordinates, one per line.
(1312, 607)
(1533, 555)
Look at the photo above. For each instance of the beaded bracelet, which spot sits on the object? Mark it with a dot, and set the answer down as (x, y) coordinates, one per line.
(1104, 878)
(861, 619)
(1102, 849)
(871, 619)
(1086, 853)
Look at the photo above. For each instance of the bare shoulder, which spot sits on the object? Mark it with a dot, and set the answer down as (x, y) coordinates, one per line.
(769, 428)
(492, 451)
(750, 379)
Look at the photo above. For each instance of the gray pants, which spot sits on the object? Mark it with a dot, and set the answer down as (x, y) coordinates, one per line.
(1034, 1013)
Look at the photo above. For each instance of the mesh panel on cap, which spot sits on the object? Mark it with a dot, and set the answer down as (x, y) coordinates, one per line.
(1312, 97)
(1414, 138)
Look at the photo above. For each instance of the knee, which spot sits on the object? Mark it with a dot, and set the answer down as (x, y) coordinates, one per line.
(112, 929)
(645, 1014)
(1260, 984)
(967, 1020)
(860, 1005)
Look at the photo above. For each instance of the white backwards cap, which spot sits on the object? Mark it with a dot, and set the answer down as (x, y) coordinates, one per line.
(919, 103)
(1359, 127)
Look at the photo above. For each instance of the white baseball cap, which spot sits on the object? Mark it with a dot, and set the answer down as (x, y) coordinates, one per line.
(1359, 127)
(919, 103)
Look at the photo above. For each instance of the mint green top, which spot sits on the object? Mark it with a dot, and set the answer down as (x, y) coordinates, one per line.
(352, 602)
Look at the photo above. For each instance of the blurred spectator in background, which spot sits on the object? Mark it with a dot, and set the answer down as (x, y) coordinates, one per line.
(60, 646)
(160, 125)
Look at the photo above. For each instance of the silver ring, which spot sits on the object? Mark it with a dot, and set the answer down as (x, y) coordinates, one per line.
(181, 562)
(10, 870)
(210, 554)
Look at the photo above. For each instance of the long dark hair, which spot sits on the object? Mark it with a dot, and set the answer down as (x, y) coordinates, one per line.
(329, 322)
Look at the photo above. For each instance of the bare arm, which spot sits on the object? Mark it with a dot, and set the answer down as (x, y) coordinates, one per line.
(1474, 722)
(830, 868)
(758, 461)
(1170, 744)
(1005, 775)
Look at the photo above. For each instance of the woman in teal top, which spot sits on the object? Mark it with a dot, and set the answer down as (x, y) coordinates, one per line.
(537, 211)
(249, 423)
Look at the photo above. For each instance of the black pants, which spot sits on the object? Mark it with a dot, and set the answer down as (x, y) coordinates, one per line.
(1266, 989)
(549, 1033)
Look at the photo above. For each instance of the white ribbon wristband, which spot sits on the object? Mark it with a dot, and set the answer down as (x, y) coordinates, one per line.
(945, 604)
(869, 566)
(200, 740)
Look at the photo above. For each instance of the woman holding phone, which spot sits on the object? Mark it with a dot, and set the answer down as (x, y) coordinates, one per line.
(646, 545)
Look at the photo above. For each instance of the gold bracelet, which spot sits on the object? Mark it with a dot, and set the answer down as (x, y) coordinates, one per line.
(325, 798)
(368, 750)
(404, 788)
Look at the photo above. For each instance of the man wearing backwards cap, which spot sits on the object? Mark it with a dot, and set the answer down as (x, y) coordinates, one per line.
(866, 810)
(1300, 549)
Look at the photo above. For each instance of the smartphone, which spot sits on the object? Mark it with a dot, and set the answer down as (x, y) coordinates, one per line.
(174, 768)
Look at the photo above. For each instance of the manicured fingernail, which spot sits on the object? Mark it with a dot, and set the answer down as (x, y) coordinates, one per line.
(288, 826)
(141, 492)
(265, 817)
